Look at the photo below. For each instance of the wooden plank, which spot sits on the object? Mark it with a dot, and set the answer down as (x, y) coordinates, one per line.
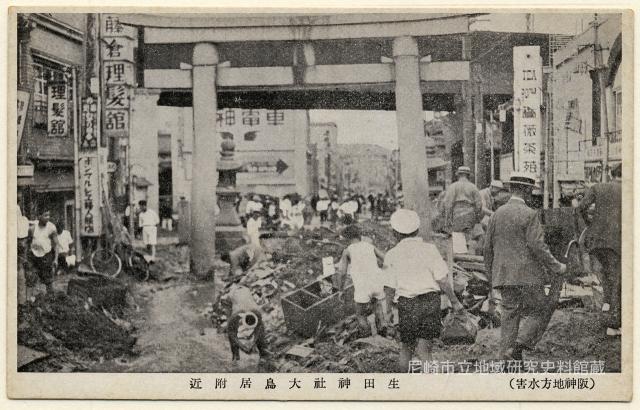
(297, 32)
(27, 355)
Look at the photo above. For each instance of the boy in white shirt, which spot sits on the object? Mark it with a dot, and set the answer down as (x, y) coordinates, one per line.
(44, 249)
(148, 221)
(65, 246)
(253, 228)
(360, 261)
(420, 276)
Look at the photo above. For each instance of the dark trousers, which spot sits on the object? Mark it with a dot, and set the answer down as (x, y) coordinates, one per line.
(526, 312)
(232, 333)
(611, 283)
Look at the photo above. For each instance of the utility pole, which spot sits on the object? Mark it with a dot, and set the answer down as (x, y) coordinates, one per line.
(604, 117)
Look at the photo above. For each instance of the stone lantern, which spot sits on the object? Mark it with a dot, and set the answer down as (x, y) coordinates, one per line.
(229, 231)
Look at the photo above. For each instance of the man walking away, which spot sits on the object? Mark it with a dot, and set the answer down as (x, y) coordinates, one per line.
(604, 241)
(462, 204)
(148, 221)
(515, 256)
(44, 249)
(360, 261)
(420, 276)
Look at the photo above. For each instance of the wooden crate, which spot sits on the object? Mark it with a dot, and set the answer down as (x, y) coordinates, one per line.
(305, 309)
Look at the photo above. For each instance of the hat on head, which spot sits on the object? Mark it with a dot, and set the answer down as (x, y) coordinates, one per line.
(405, 221)
(519, 178)
(463, 170)
(496, 183)
(256, 198)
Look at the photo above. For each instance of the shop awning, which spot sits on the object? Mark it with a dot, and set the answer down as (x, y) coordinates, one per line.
(53, 180)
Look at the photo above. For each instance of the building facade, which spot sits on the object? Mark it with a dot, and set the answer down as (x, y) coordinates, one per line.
(365, 168)
(324, 138)
(587, 103)
(272, 145)
(50, 56)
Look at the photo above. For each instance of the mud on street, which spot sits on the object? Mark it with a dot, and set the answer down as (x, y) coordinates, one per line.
(168, 324)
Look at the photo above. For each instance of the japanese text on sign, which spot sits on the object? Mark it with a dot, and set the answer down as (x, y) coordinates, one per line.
(57, 110)
(21, 112)
(89, 127)
(90, 196)
(527, 91)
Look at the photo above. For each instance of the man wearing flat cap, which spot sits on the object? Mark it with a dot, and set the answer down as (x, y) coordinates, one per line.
(516, 257)
(462, 205)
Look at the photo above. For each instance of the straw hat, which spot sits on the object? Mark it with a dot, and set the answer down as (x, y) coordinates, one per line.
(405, 221)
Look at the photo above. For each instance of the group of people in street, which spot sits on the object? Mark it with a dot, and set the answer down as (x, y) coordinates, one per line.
(522, 271)
(44, 250)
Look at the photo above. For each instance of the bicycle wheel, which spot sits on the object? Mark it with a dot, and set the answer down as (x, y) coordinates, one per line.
(106, 262)
(138, 266)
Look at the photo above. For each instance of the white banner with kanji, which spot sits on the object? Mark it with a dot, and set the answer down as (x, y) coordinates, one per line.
(527, 99)
(57, 110)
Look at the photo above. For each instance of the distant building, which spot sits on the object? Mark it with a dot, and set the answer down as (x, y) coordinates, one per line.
(272, 144)
(49, 46)
(324, 138)
(579, 131)
(365, 168)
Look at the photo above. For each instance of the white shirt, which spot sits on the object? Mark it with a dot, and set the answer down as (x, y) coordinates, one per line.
(285, 207)
(41, 242)
(148, 218)
(363, 265)
(64, 240)
(415, 266)
(349, 207)
(322, 205)
(253, 206)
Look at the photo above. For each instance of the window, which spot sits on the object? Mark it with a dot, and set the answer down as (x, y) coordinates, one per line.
(46, 72)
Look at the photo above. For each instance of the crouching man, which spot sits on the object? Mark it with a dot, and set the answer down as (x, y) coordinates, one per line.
(420, 275)
(242, 258)
(245, 328)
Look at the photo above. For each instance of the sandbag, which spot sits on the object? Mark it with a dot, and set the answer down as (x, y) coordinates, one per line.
(459, 329)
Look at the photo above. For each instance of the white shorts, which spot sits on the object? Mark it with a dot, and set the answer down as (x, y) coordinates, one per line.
(150, 235)
(367, 293)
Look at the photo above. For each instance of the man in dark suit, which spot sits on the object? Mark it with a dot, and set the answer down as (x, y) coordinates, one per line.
(516, 257)
(604, 240)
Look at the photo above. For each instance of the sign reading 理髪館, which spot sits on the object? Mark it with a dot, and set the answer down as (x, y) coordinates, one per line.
(57, 110)
(527, 99)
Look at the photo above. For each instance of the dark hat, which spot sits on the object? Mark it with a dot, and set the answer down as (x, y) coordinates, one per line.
(519, 178)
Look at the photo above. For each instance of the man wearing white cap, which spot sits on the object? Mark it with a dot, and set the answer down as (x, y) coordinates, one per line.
(516, 257)
(420, 275)
(462, 204)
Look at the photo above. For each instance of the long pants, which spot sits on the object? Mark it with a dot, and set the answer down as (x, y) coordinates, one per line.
(611, 283)
(526, 312)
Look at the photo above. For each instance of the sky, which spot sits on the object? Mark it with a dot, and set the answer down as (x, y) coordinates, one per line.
(379, 127)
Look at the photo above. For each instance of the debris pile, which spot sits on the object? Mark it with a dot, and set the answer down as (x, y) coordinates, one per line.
(72, 329)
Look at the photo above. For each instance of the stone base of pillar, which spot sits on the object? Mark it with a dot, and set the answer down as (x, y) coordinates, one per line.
(229, 237)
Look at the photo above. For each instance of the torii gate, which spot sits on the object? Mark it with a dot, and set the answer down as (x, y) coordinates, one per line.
(403, 74)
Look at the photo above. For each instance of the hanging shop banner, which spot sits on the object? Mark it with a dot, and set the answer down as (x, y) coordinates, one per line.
(89, 125)
(21, 112)
(57, 110)
(527, 99)
(111, 26)
(91, 220)
(117, 49)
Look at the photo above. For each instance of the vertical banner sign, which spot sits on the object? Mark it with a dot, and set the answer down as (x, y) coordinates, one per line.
(91, 219)
(57, 110)
(21, 112)
(89, 125)
(527, 99)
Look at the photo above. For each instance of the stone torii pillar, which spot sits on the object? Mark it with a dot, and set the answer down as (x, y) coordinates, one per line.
(205, 174)
(410, 121)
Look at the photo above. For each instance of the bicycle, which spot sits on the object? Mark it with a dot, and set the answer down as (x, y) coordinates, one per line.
(117, 248)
